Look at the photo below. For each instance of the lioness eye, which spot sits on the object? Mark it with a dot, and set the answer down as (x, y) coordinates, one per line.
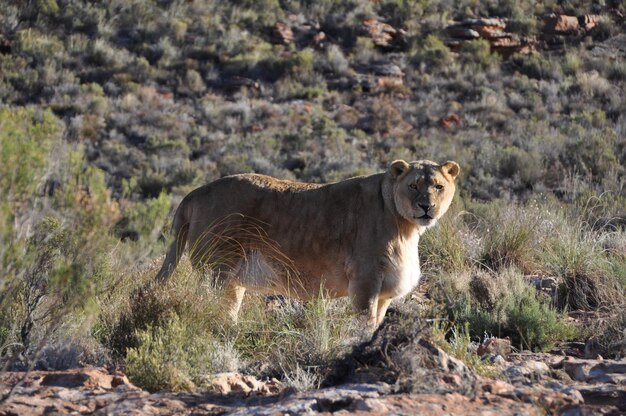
(439, 187)
(413, 186)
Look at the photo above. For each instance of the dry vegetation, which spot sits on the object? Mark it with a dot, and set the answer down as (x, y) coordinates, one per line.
(111, 111)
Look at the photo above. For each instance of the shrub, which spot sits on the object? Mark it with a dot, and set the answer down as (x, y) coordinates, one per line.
(574, 254)
(477, 54)
(501, 304)
(51, 270)
(36, 45)
(175, 356)
(511, 238)
(446, 248)
(294, 340)
(433, 54)
(456, 340)
(537, 66)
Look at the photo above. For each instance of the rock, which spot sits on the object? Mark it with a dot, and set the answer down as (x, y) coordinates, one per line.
(282, 33)
(460, 32)
(89, 378)
(530, 370)
(560, 24)
(303, 33)
(493, 345)
(576, 369)
(588, 21)
(86, 391)
(319, 39)
(488, 28)
(384, 35)
(448, 122)
(445, 362)
(604, 394)
(370, 405)
(596, 371)
(389, 82)
(492, 30)
(496, 386)
(386, 70)
(494, 359)
(227, 383)
(593, 348)
(548, 398)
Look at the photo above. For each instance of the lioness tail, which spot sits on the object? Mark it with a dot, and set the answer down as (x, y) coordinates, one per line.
(180, 230)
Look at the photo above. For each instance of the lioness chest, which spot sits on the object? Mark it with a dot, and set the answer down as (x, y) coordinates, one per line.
(402, 272)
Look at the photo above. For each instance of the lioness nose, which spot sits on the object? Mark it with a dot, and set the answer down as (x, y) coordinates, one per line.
(425, 207)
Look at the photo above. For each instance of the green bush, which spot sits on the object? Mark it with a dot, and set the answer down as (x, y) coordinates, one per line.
(444, 247)
(502, 304)
(49, 270)
(175, 356)
(175, 336)
(433, 54)
(477, 55)
(512, 237)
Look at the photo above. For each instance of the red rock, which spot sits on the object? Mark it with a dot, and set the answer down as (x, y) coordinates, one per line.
(496, 386)
(561, 24)
(227, 383)
(91, 378)
(283, 33)
(383, 34)
(588, 21)
(462, 32)
(450, 121)
(389, 82)
(319, 39)
(454, 379)
(375, 406)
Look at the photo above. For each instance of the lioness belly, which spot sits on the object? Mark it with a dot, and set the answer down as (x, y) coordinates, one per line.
(261, 274)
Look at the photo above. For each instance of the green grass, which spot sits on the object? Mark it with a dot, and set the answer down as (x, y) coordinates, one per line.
(501, 304)
(109, 117)
(175, 336)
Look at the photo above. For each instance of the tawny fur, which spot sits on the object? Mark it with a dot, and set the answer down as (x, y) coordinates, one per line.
(354, 238)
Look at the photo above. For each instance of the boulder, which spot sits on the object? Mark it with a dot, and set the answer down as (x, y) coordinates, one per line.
(596, 371)
(493, 345)
(228, 383)
(384, 35)
(494, 31)
(448, 122)
(282, 33)
(561, 24)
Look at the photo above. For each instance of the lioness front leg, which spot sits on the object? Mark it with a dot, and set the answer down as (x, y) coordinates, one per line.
(383, 304)
(233, 297)
(364, 296)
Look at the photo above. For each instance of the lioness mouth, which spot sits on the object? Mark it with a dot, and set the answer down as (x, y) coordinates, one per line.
(425, 217)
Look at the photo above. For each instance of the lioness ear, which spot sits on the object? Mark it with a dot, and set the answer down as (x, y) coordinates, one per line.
(451, 168)
(398, 168)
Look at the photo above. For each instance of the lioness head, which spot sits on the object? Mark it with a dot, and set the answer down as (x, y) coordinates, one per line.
(423, 190)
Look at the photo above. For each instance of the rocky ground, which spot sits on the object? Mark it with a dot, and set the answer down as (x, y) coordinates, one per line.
(540, 384)
(393, 373)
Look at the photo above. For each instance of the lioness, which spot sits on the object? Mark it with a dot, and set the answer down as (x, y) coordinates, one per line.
(355, 238)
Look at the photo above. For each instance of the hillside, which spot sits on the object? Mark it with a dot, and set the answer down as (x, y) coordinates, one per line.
(110, 112)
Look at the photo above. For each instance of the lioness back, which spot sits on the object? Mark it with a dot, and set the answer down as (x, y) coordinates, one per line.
(356, 237)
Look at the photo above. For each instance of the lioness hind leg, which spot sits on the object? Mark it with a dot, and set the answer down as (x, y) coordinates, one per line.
(383, 304)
